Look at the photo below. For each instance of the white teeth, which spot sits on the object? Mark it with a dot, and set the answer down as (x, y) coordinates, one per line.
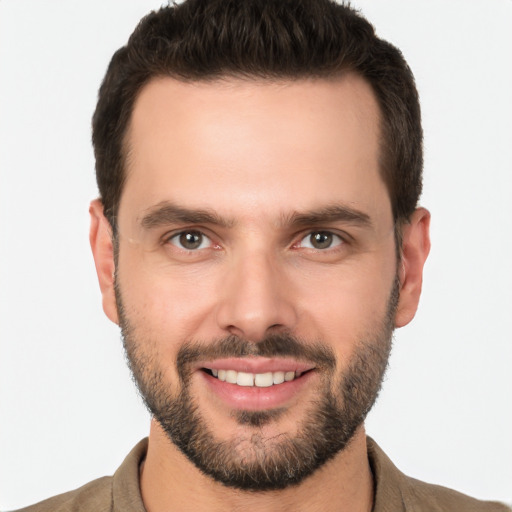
(245, 379)
(260, 380)
(263, 380)
(231, 376)
(278, 377)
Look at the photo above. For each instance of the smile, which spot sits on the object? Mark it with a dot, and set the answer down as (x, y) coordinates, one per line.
(257, 383)
(259, 380)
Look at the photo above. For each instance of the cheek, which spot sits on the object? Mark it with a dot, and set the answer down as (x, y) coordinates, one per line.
(338, 304)
(347, 305)
(167, 302)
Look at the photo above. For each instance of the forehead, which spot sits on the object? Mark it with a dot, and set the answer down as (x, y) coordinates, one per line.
(238, 145)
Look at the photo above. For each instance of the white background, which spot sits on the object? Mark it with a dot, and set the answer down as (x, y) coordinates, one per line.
(68, 411)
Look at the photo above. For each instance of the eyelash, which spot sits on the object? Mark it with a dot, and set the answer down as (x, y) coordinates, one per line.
(337, 239)
(178, 235)
(330, 234)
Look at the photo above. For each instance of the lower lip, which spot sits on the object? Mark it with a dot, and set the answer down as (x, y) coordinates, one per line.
(254, 398)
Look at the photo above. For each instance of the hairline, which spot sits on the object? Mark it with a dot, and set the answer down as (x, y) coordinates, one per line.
(264, 79)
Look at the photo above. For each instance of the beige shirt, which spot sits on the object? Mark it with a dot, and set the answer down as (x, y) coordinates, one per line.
(394, 492)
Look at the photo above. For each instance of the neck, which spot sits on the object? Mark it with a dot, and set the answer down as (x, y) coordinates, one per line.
(169, 481)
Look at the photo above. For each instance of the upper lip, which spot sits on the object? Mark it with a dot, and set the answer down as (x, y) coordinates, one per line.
(257, 365)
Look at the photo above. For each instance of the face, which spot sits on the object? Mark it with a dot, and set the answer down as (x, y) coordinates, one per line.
(256, 276)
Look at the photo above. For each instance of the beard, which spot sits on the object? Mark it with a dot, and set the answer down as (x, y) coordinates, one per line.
(254, 461)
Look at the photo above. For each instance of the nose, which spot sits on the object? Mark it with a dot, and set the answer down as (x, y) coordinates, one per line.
(256, 298)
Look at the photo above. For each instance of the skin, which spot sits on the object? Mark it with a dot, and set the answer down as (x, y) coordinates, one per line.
(256, 154)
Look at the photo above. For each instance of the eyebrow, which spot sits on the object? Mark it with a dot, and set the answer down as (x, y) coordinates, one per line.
(328, 214)
(166, 213)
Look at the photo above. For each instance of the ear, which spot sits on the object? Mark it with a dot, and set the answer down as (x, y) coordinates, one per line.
(100, 237)
(415, 249)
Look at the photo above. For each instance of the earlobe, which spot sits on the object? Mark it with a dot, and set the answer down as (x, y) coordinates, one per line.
(100, 238)
(415, 249)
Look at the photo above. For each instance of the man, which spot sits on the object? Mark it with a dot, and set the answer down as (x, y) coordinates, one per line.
(257, 240)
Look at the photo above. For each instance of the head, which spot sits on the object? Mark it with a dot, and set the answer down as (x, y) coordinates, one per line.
(203, 41)
(258, 163)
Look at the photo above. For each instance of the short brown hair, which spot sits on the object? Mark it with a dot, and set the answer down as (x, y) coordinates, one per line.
(201, 40)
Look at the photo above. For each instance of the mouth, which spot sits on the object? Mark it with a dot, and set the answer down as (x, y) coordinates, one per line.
(259, 380)
(256, 383)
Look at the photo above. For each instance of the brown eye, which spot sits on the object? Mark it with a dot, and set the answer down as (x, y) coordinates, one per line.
(190, 240)
(321, 240)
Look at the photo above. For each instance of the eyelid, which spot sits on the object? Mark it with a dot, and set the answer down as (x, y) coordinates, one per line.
(169, 236)
(343, 239)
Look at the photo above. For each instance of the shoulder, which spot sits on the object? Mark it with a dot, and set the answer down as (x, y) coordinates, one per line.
(96, 496)
(423, 496)
(396, 492)
(118, 492)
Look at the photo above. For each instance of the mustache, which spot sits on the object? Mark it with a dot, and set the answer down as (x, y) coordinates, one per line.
(273, 345)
